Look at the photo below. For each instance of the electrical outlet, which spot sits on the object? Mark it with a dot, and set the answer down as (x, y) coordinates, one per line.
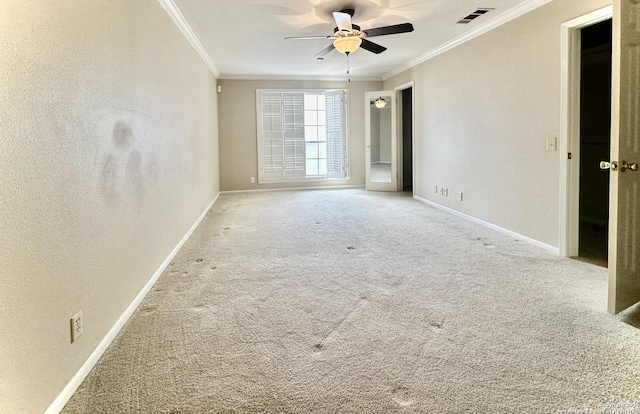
(446, 192)
(76, 326)
(253, 180)
(436, 189)
(459, 195)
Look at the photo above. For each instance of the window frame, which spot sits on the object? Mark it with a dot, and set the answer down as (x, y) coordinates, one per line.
(304, 178)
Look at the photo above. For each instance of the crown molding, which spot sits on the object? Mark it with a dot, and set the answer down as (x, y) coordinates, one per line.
(173, 11)
(501, 19)
(302, 78)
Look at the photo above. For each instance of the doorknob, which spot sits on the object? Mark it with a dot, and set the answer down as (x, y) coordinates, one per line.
(605, 165)
(633, 166)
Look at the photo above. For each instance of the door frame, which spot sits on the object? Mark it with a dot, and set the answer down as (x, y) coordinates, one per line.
(569, 142)
(399, 114)
(369, 97)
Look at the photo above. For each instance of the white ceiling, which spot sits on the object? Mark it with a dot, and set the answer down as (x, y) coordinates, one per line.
(245, 38)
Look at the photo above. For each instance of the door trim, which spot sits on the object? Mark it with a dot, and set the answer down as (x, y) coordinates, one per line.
(391, 186)
(569, 142)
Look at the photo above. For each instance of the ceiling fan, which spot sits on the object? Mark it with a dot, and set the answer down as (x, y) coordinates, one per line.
(348, 37)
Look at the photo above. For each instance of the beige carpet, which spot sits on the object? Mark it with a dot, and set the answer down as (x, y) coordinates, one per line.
(346, 301)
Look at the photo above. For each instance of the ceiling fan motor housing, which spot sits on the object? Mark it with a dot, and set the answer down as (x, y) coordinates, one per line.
(355, 31)
(350, 12)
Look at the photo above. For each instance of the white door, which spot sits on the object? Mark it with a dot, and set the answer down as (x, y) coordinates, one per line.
(381, 157)
(624, 216)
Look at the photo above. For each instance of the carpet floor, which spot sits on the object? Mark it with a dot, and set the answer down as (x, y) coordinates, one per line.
(347, 301)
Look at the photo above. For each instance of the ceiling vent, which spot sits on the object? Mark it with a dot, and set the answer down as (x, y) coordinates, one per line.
(469, 18)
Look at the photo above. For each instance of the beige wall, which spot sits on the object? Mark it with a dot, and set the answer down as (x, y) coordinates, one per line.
(483, 113)
(238, 129)
(108, 155)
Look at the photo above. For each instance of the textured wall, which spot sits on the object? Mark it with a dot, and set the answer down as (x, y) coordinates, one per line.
(108, 155)
(238, 129)
(484, 111)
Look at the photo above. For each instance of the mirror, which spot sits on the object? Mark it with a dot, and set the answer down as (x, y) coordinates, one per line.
(380, 139)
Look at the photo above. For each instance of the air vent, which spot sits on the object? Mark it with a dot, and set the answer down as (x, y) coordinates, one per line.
(469, 18)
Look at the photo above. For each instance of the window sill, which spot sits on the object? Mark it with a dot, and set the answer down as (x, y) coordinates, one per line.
(306, 180)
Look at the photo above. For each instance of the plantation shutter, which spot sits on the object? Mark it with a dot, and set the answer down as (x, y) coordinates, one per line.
(281, 136)
(282, 147)
(337, 157)
(293, 107)
(271, 139)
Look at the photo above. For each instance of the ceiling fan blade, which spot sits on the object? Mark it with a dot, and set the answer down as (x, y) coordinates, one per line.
(372, 47)
(325, 51)
(308, 37)
(343, 20)
(388, 30)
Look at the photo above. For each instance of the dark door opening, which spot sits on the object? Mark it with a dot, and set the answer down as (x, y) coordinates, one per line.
(407, 139)
(595, 141)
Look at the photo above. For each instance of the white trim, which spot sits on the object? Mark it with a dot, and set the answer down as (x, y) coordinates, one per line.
(405, 85)
(499, 20)
(569, 142)
(323, 187)
(590, 19)
(303, 78)
(58, 404)
(311, 179)
(369, 97)
(544, 246)
(173, 11)
(398, 89)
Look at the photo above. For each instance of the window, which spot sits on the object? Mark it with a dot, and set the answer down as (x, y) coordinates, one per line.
(302, 135)
(315, 134)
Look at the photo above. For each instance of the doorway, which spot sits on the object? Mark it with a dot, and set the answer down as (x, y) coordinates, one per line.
(406, 136)
(569, 142)
(405, 117)
(623, 259)
(595, 141)
(389, 139)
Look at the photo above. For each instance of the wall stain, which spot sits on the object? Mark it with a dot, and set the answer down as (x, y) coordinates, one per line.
(123, 172)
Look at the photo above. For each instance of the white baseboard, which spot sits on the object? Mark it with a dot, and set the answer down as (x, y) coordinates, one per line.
(323, 187)
(68, 391)
(537, 243)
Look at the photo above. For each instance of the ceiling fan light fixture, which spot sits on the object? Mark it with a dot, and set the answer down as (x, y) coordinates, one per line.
(380, 103)
(347, 44)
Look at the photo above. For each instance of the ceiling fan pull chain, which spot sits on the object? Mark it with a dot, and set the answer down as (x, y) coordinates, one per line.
(348, 69)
